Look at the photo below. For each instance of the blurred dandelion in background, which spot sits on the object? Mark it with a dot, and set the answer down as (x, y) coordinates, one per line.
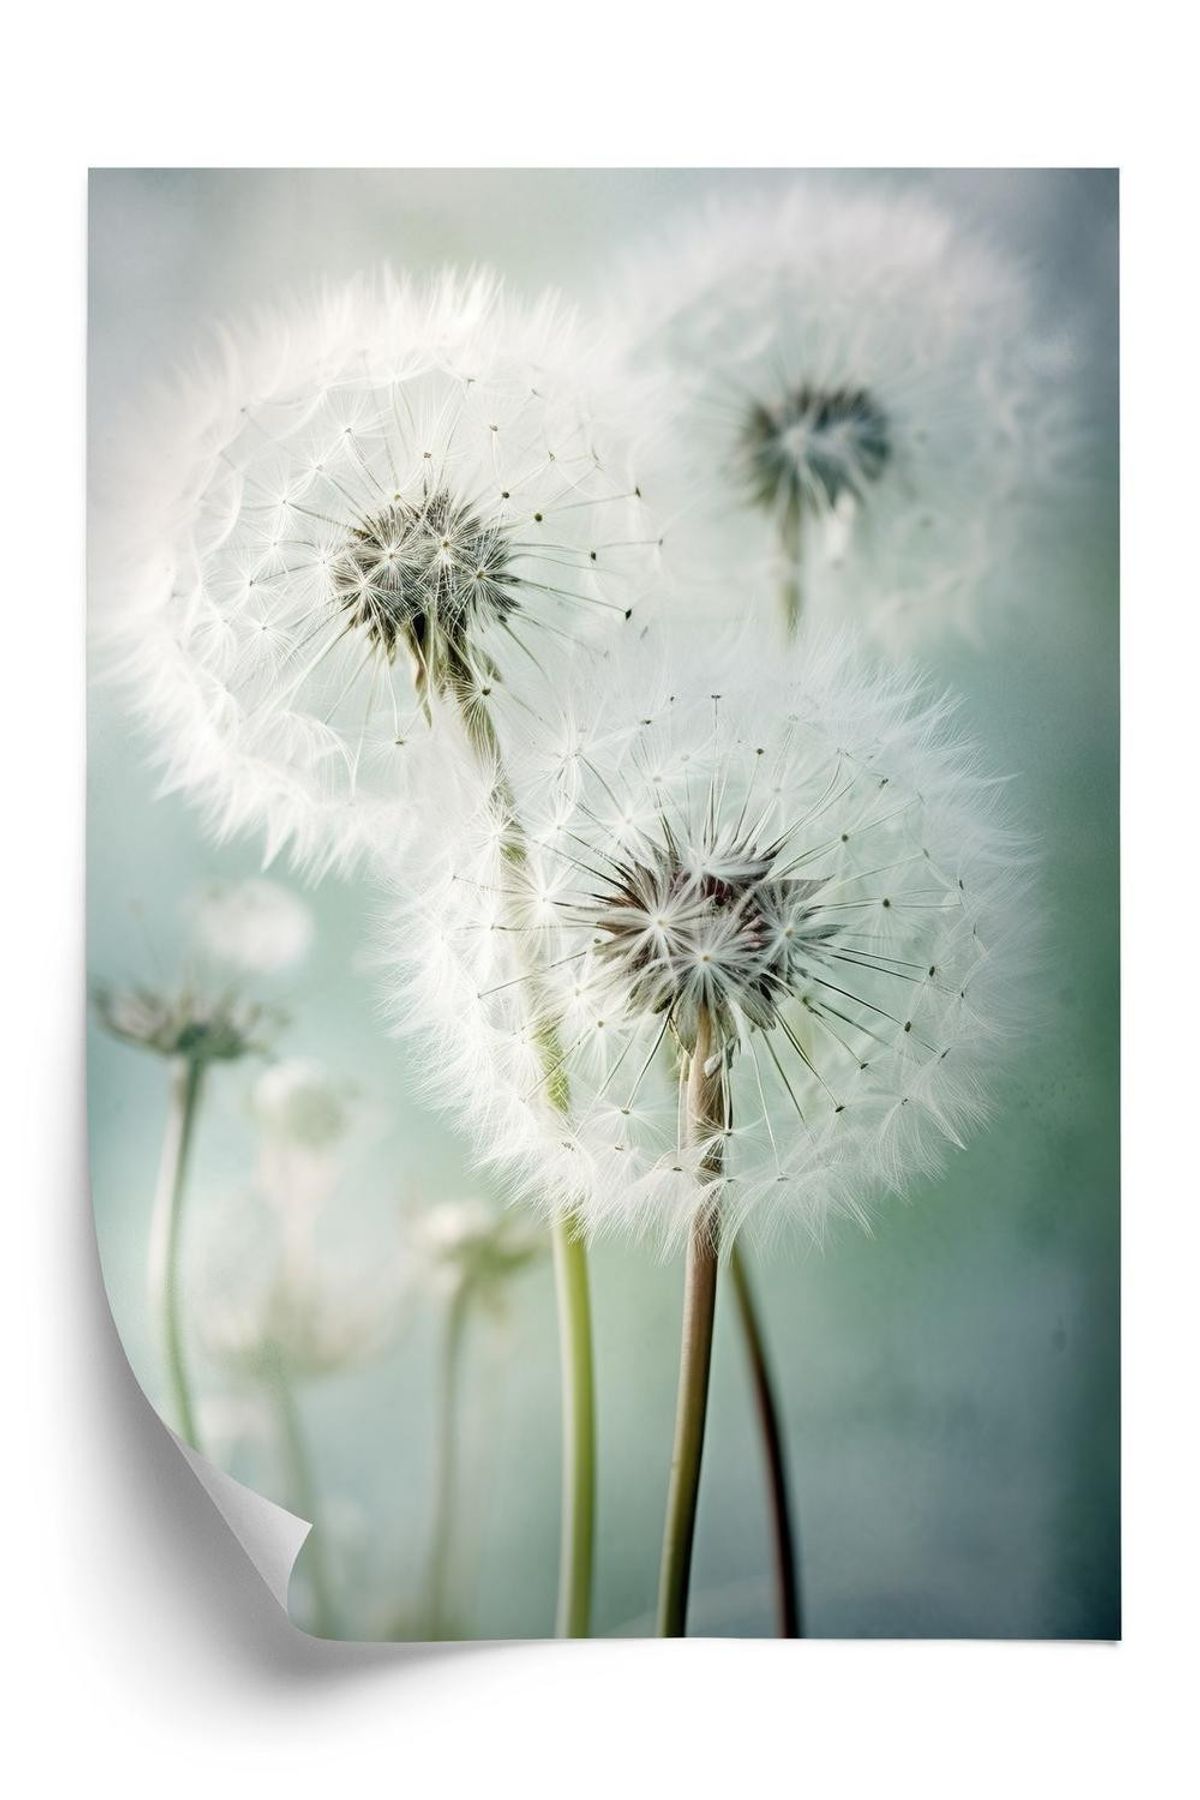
(467, 1253)
(297, 1102)
(258, 926)
(864, 407)
(302, 1114)
(279, 1308)
(238, 929)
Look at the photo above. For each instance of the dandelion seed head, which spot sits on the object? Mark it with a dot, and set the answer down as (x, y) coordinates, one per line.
(412, 569)
(863, 417)
(703, 927)
(814, 446)
(810, 859)
(385, 498)
(186, 1022)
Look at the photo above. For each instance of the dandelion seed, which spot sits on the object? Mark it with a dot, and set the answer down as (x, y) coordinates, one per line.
(297, 1102)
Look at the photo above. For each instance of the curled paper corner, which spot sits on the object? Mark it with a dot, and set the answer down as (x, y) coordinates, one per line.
(271, 1536)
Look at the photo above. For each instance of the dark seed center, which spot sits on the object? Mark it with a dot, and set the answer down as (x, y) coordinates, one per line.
(770, 920)
(814, 446)
(415, 572)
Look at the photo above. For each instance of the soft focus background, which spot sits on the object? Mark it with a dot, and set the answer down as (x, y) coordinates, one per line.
(950, 1385)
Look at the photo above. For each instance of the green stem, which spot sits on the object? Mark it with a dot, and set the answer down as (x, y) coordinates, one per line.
(787, 1581)
(302, 1489)
(791, 542)
(166, 1236)
(578, 1432)
(445, 1481)
(578, 1510)
(705, 1099)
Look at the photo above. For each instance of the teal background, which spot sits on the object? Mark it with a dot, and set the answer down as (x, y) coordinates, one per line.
(950, 1384)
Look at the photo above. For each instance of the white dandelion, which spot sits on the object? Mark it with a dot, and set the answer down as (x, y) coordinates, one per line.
(768, 928)
(861, 408)
(184, 1023)
(387, 504)
(193, 1026)
(370, 502)
(797, 882)
(257, 926)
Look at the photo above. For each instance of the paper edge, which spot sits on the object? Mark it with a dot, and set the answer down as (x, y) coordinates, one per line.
(271, 1536)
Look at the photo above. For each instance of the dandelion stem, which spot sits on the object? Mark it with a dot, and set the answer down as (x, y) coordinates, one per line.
(787, 1581)
(572, 1288)
(791, 543)
(166, 1234)
(302, 1489)
(445, 1482)
(579, 1432)
(705, 1115)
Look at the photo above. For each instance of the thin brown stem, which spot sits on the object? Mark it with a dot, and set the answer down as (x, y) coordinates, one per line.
(705, 1118)
(787, 1582)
